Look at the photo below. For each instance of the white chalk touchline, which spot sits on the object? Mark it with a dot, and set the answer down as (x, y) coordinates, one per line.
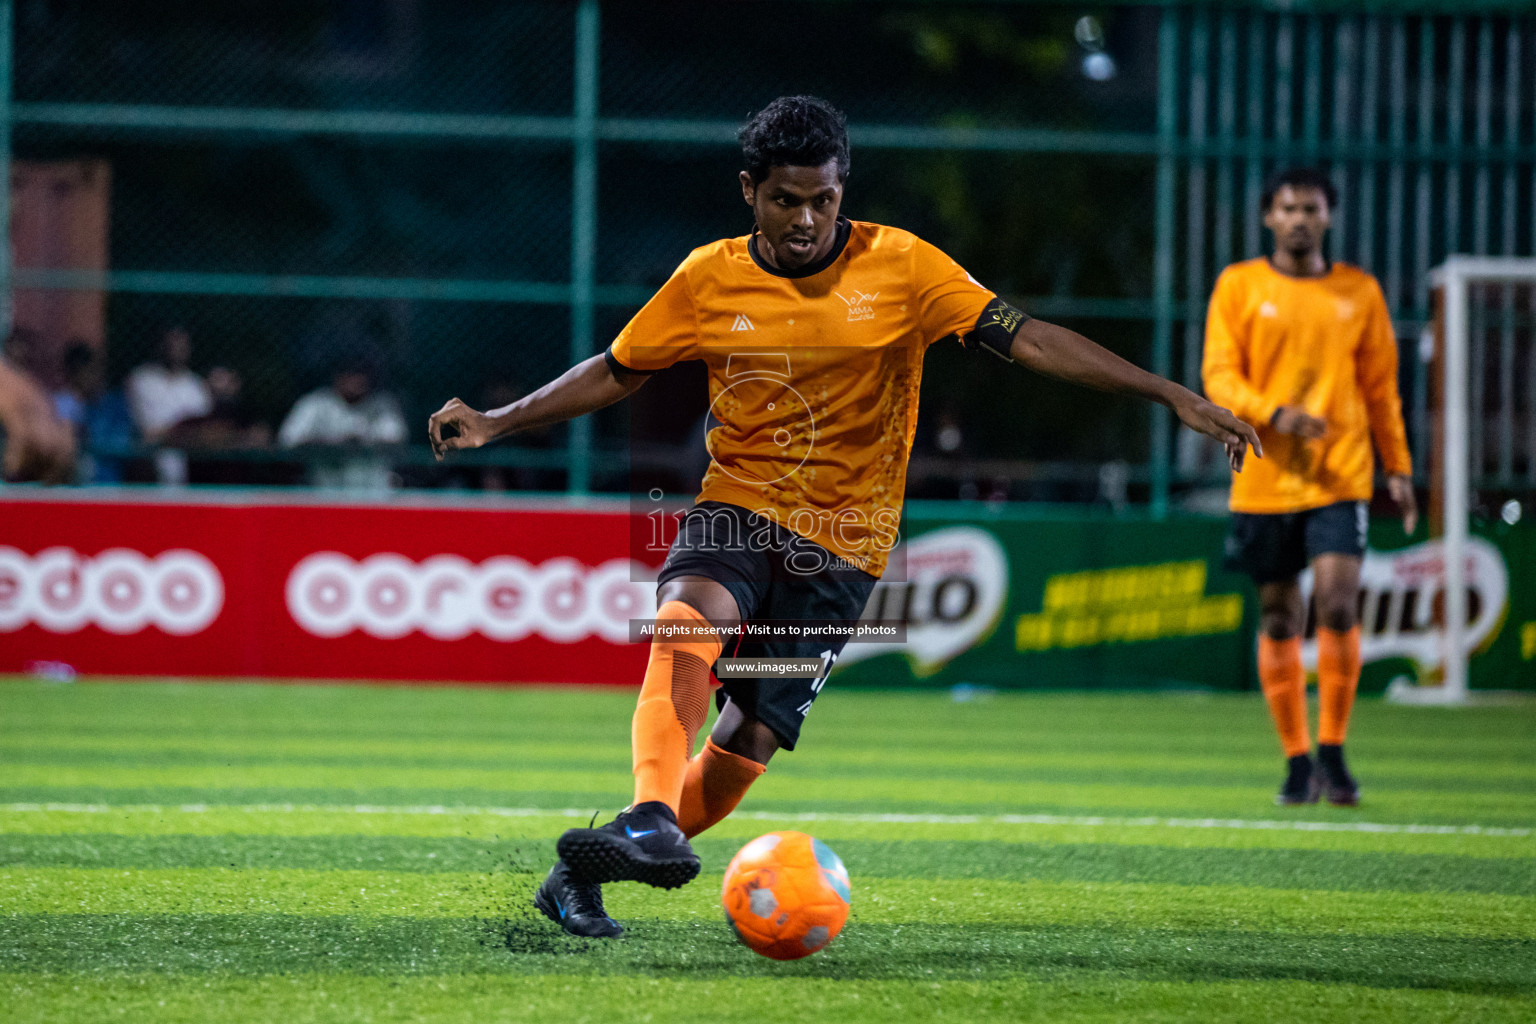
(1091, 821)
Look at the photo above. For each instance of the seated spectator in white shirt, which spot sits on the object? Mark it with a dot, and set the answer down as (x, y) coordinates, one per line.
(164, 393)
(352, 416)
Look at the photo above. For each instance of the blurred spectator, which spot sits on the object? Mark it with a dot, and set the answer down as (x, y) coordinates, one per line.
(38, 445)
(68, 402)
(352, 416)
(22, 347)
(502, 389)
(164, 393)
(99, 416)
(942, 454)
(231, 423)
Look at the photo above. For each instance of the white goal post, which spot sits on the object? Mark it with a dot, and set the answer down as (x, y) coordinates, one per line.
(1463, 421)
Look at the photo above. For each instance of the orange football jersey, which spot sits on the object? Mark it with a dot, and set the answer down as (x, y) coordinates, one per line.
(813, 375)
(1322, 343)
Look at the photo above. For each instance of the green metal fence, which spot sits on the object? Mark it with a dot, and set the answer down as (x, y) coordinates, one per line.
(493, 189)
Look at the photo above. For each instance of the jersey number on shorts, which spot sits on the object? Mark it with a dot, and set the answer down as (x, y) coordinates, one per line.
(828, 659)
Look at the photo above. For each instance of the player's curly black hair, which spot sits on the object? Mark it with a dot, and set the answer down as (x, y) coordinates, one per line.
(794, 131)
(1299, 177)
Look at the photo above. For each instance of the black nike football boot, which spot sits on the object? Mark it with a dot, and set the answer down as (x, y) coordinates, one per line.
(643, 844)
(575, 905)
(1302, 783)
(1339, 787)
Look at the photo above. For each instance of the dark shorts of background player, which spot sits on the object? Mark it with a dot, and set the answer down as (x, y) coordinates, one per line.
(791, 580)
(1277, 547)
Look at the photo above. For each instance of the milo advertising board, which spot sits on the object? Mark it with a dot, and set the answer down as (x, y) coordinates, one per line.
(1402, 601)
(1028, 600)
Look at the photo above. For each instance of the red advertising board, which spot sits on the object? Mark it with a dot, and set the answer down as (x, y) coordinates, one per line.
(489, 592)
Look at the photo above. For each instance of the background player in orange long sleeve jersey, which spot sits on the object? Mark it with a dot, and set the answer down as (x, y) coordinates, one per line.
(1304, 347)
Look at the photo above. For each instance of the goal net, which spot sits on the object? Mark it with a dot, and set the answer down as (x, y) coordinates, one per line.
(1482, 457)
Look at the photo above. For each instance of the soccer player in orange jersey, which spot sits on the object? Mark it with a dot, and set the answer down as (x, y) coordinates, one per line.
(1304, 347)
(812, 329)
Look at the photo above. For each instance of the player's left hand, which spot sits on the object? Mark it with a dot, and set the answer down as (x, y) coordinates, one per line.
(1401, 489)
(469, 428)
(1212, 420)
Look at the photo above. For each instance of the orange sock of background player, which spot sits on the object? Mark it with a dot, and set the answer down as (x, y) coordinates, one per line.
(1338, 674)
(674, 700)
(716, 781)
(1285, 688)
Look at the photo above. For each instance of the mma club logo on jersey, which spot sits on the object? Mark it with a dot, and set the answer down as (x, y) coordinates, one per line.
(860, 306)
(119, 590)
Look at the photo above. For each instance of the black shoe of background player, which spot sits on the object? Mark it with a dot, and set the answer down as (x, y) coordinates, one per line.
(1339, 787)
(643, 844)
(575, 905)
(1303, 783)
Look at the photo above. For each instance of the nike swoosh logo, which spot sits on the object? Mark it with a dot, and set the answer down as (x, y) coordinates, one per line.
(639, 835)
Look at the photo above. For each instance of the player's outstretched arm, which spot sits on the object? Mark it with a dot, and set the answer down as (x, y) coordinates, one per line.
(1058, 352)
(586, 387)
(37, 445)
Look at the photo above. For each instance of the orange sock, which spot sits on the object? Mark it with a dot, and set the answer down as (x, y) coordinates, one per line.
(1338, 674)
(1285, 688)
(716, 781)
(674, 701)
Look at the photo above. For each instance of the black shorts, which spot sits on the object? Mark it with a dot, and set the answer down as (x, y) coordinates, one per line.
(776, 577)
(1271, 548)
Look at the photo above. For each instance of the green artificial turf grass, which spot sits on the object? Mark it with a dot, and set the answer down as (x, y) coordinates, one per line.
(276, 896)
(884, 900)
(330, 784)
(702, 949)
(1293, 829)
(1115, 754)
(891, 858)
(473, 998)
(1263, 868)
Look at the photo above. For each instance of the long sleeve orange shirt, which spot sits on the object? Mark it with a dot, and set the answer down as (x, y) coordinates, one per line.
(1322, 343)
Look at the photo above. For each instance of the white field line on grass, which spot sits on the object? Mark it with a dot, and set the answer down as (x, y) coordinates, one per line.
(794, 816)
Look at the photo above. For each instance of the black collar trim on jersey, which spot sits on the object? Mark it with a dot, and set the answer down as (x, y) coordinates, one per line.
(844, 229)
(1269, 260)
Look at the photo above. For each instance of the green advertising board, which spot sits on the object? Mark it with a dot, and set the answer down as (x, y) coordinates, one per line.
(1402, 605)
(1024, 598)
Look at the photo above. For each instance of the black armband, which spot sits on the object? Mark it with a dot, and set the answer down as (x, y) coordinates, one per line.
(995, 328)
